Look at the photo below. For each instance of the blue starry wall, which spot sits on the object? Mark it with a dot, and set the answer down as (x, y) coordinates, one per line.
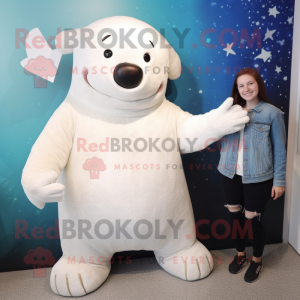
(221, 38)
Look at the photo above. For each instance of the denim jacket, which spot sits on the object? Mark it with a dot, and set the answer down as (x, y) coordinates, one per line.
(263, 146)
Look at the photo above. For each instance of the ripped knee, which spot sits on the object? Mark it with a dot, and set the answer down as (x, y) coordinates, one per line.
(234, 208)
(252, 214)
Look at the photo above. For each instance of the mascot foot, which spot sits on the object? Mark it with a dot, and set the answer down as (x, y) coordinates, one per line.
(191, 264)
(71, 278)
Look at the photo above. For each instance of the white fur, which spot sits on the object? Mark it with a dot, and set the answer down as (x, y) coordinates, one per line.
(99, 108)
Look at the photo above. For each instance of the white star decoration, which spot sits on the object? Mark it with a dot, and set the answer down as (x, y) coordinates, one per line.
(229, 50)
(278, 70)
(265, 55)
(269, 33)
(281, 42)
(290, 20)
(273, 12)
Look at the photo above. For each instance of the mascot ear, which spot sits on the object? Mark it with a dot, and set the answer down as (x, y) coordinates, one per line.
(174, 64)
(67, 40)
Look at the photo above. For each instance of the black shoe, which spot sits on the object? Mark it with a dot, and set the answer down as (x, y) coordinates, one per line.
(237, 263)
(253, 271)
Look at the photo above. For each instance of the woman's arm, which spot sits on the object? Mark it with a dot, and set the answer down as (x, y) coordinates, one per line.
(278, 138)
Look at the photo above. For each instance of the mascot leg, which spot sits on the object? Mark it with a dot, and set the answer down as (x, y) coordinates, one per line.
(189, 264)
(74, 278)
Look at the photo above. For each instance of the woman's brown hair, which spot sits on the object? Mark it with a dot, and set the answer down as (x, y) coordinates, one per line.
(262, 93)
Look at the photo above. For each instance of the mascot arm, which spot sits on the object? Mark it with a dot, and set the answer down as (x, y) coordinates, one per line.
(198, 132)
(48, 157)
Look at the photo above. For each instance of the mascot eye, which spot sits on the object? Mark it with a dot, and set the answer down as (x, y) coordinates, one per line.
(146, 57)
(108, 53)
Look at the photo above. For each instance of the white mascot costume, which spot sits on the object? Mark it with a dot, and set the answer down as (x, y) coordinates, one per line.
(110, 157)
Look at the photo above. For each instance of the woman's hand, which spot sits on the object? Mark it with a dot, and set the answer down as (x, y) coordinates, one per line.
(277, 191)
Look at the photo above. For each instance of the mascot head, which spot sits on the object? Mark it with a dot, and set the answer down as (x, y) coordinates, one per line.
(121, 65)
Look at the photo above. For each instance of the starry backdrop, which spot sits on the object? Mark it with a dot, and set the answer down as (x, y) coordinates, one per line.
(222, 37)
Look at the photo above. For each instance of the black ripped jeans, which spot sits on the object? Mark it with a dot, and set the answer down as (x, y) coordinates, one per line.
(253, 198)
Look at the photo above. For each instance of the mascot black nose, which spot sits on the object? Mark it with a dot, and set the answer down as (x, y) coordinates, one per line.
(128, 75)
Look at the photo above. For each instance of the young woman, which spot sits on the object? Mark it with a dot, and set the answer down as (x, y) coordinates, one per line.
(252, 164)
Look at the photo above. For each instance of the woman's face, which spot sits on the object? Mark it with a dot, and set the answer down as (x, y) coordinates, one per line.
(248, 88)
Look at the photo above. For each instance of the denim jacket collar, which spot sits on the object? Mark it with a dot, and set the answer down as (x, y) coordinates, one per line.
(259, 106)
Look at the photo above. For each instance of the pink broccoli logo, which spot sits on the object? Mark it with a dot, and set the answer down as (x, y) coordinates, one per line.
(94, 165)
(41, 66)
(39, 258)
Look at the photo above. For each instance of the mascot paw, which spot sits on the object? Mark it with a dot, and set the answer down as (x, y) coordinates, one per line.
(70, 278)
(192, 264)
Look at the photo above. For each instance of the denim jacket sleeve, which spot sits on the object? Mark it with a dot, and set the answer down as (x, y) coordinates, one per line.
(278, 139)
